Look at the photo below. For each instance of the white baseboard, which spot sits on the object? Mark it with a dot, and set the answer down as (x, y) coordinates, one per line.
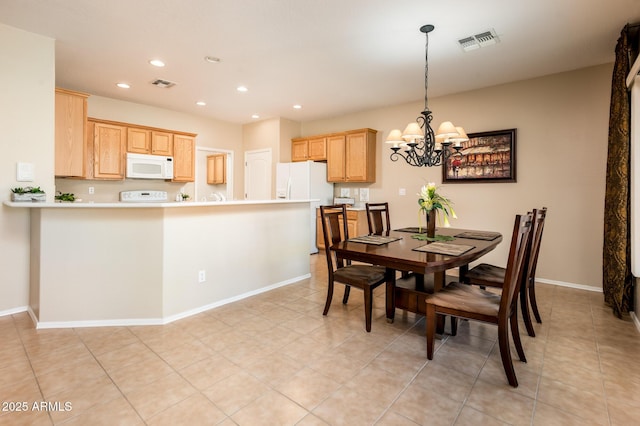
(636, 321)
(12, 311)
(570, 285)
(159, 321)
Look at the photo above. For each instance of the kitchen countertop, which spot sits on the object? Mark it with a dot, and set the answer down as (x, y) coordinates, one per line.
(125, 205)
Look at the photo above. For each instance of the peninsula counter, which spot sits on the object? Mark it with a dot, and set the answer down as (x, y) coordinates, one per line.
(96, 264)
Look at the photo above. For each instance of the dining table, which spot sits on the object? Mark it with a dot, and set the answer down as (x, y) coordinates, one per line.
(423, 262)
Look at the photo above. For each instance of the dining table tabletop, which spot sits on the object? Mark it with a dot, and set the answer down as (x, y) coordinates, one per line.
(421, 261)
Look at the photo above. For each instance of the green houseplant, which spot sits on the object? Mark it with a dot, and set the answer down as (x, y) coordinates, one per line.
(29, 193)
(65, 197)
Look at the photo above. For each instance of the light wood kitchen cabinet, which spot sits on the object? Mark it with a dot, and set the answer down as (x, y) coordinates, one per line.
(299, 149)
(70, 133)
(184, 150)
(142, 140)
(162, 143)
(352, 157)
(109, 151)
(304, 149)
(138, 140)
(356, 225)
(217, 169)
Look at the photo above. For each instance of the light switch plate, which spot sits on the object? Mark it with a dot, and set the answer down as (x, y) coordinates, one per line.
(25, 172)
(345, 192)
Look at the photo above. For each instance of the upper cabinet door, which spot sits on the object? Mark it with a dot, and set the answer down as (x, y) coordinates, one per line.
(162, 143)
(318, 149)
(109, 150)
(70, 133)
(336, 158)
(138, 140)
(184, 149)
(299, 150)
(360, 156)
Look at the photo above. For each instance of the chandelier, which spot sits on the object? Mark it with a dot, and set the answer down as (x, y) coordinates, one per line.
(418, 145)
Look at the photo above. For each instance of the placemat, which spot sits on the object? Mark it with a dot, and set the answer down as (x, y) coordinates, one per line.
(445, 248)
(377, 240)
(479, 235)
(412, 229)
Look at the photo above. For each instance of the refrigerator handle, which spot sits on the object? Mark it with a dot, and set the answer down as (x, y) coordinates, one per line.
(289, 188)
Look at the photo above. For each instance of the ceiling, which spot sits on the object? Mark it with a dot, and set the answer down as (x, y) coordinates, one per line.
(333, 57)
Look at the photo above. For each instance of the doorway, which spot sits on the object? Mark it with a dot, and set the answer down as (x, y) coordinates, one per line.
(257, 174)
(204, 191)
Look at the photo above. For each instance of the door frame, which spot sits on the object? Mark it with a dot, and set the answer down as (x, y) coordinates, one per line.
(230, 193)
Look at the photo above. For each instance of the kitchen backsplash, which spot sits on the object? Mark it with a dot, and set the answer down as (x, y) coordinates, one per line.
(109, 191)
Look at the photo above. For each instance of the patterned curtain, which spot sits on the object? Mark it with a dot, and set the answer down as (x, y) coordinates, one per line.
(617, 282)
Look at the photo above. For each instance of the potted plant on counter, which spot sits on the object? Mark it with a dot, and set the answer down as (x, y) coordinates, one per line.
(29, 193)
(65, 197)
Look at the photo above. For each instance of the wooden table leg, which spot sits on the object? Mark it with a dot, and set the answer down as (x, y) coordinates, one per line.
(391, 294)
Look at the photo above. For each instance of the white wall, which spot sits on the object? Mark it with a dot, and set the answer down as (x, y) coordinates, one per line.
(27, 122)
(562, 127)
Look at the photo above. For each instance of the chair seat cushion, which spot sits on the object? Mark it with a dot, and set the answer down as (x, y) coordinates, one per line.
(464, 297)
(486, 273)
(360, 275)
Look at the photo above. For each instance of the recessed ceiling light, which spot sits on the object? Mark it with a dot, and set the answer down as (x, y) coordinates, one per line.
(297, 107)
(255, 116)
(201, 103)
(123, 85)
(212, 59)
(156, 63)
(242, 89)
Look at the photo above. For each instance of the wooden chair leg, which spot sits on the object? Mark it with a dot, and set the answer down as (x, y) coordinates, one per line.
(368, 307)
(532, 300)
(505, 354)
(454, 326)
(431, 329)
(345, 298)
(524, 307)
(327, 304)
(515, 333)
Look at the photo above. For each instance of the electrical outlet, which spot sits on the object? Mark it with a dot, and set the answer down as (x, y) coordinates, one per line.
(402, 191)
(364, 195)
(92, 190)
(345, 192)
(202, 276)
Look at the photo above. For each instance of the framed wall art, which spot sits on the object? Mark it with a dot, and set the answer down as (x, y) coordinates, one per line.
(486, 157)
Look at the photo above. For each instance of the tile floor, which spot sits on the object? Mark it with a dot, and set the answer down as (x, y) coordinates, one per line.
(273, 359)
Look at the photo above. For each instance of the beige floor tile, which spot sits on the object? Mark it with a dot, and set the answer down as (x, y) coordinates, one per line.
(274, 368)
(493, 372)
(574, 376)
(377, 385)
(470, 417)
(194, 410)
(273, 407)
(24, 391)
(500, 402)
(69, 377)
(391, 418)
(579, 402)
(134, 376)
(547, 415)
(15, 372)
(622, 414)
(115, 412)
(184, 355)
(311, 420)
(449, 383)
(84, 397)
(235, 392)
(131, 354)
(308, 388)
(107, 339)
(338, 367)
(158, 396)
(26, 418)
(204, 374)
(425, 406)
(347, 407)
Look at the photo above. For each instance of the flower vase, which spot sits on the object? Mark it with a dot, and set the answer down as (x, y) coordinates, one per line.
(431, 223)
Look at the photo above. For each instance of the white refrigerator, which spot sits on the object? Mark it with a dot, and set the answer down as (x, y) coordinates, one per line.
(305, 180)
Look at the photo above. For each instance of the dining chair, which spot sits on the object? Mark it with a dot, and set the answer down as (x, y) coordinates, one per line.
(488, 275)
(364, 277)
(461, 300)
(377, 218)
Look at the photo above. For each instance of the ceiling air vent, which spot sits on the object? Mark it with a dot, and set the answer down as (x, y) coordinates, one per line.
(164, 84)
(483, 39)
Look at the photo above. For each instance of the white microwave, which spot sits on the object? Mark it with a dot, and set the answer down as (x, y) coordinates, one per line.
(144, 166)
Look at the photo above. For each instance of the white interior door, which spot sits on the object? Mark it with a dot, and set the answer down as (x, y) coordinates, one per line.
(257, 174)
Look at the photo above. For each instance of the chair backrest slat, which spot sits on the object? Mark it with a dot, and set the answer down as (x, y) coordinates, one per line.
(515, 263)
(331, 216)
(375, 212)
(538, 227)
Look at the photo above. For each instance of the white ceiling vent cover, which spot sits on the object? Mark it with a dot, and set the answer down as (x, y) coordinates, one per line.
(164, 84)
(483, 39)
